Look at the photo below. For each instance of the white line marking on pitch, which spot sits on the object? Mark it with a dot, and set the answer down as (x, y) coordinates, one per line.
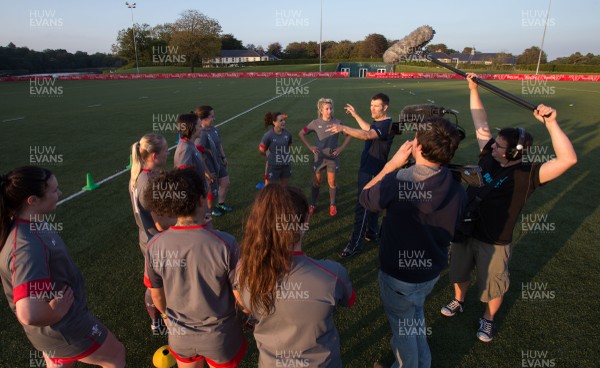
(13, 119)
(74, 195)
(96, 105)
(141, 98)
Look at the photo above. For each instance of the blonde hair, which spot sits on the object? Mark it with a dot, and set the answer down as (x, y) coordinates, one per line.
(141, 151)
(323, 101)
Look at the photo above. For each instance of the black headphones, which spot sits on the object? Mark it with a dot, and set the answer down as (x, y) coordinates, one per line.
(515, 153)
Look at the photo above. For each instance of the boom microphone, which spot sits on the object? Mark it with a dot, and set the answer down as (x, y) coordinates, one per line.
(409, 45)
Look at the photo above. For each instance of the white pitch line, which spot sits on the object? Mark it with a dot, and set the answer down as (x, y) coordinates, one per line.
(99, 183)
(141, 98)
(13, 119)
(96, 105)
(74, 195)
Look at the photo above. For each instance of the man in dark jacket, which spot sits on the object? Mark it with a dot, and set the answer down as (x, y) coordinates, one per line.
(423, 203)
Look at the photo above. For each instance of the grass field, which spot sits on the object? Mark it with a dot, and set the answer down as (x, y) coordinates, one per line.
(91, 125)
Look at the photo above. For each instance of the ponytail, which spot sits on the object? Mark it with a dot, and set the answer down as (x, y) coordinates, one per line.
(270, 117)
(141, 151)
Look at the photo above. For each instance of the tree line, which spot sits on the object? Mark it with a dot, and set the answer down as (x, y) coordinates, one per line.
(22, 60)
(194, 38)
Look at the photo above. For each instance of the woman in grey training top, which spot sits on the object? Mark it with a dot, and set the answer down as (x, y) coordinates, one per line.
(190, 269)
(275, 144)
(43, 286)
(290, 294)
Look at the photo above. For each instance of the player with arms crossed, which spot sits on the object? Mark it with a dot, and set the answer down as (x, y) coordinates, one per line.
(42, 284)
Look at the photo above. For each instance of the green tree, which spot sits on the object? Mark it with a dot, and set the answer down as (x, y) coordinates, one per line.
(196, 36)
(295, 50)
(229, 42)
(125, 46)
(440, 47)
(275, 49)
(342, 50)
(531, 55)
(374, 46)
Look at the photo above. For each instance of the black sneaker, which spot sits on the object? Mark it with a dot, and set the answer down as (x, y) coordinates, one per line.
(349, 251)
(486, 330)
(224, 208)
(452, 308)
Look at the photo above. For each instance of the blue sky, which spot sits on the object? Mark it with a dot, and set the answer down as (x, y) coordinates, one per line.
(490, 26)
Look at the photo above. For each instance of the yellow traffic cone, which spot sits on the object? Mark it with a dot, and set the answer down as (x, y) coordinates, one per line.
(90, 183)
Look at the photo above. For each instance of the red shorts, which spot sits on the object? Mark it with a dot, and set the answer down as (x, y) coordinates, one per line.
(233, 363)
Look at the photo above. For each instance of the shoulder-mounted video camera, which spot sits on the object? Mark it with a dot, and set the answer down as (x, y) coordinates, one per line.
(412, 116)
(410, 119)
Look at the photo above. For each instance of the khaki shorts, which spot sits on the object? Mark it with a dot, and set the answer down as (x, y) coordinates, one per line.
(490, 261)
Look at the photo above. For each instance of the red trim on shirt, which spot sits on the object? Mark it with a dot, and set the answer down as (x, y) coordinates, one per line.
(147, 282)
(22, 291)
(29, 288)
(352, 294)
(146, 170)
(60, 361)
(262, 146)
(183, 167)
(352, 299)
(182, 139)
(190, 227)
(305, 129)
(226, 244)
(297, 253)
(200, 148)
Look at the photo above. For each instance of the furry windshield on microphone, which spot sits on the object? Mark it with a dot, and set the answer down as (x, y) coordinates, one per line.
(411, 44)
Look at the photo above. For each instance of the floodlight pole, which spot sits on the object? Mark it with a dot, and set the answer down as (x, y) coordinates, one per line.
(132, 6)
(543, 37)
(321, 38)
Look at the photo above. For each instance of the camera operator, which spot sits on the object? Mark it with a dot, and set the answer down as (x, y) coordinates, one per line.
(511, 181)
(423, 204)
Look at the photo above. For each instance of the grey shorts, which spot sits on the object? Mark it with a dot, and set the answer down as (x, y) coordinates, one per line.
(221, 347)
(331, 164)
(490, 262)
(277, 172)
(222, 172)
(77, 339)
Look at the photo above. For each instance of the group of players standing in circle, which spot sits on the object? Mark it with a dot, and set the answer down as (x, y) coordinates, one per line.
(198, 278)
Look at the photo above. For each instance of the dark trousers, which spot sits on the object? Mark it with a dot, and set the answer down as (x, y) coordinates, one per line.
(364, 220)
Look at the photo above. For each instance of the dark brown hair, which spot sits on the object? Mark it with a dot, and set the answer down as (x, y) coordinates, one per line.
(15, 187)
(203, 111)
(186, 124)
(175, 193)
(270, 117)
(439, 139)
